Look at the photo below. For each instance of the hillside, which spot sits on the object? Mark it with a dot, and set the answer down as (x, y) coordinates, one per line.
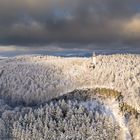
(29, 85)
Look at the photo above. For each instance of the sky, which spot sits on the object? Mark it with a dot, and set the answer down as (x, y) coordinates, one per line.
(69, 24)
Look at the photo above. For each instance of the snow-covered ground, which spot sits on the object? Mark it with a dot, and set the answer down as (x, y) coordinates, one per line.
(33, 80)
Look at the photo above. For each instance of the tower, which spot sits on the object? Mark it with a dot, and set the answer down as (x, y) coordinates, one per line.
(94, 59)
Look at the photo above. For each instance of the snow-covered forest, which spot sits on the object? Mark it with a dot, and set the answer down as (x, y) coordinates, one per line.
(39, 100)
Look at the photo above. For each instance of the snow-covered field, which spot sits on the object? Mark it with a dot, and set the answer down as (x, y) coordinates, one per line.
(31, 81)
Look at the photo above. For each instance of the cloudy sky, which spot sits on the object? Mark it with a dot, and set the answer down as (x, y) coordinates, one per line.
(68, 24)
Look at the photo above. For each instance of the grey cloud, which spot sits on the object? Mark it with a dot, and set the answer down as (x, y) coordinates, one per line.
(33, 22)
